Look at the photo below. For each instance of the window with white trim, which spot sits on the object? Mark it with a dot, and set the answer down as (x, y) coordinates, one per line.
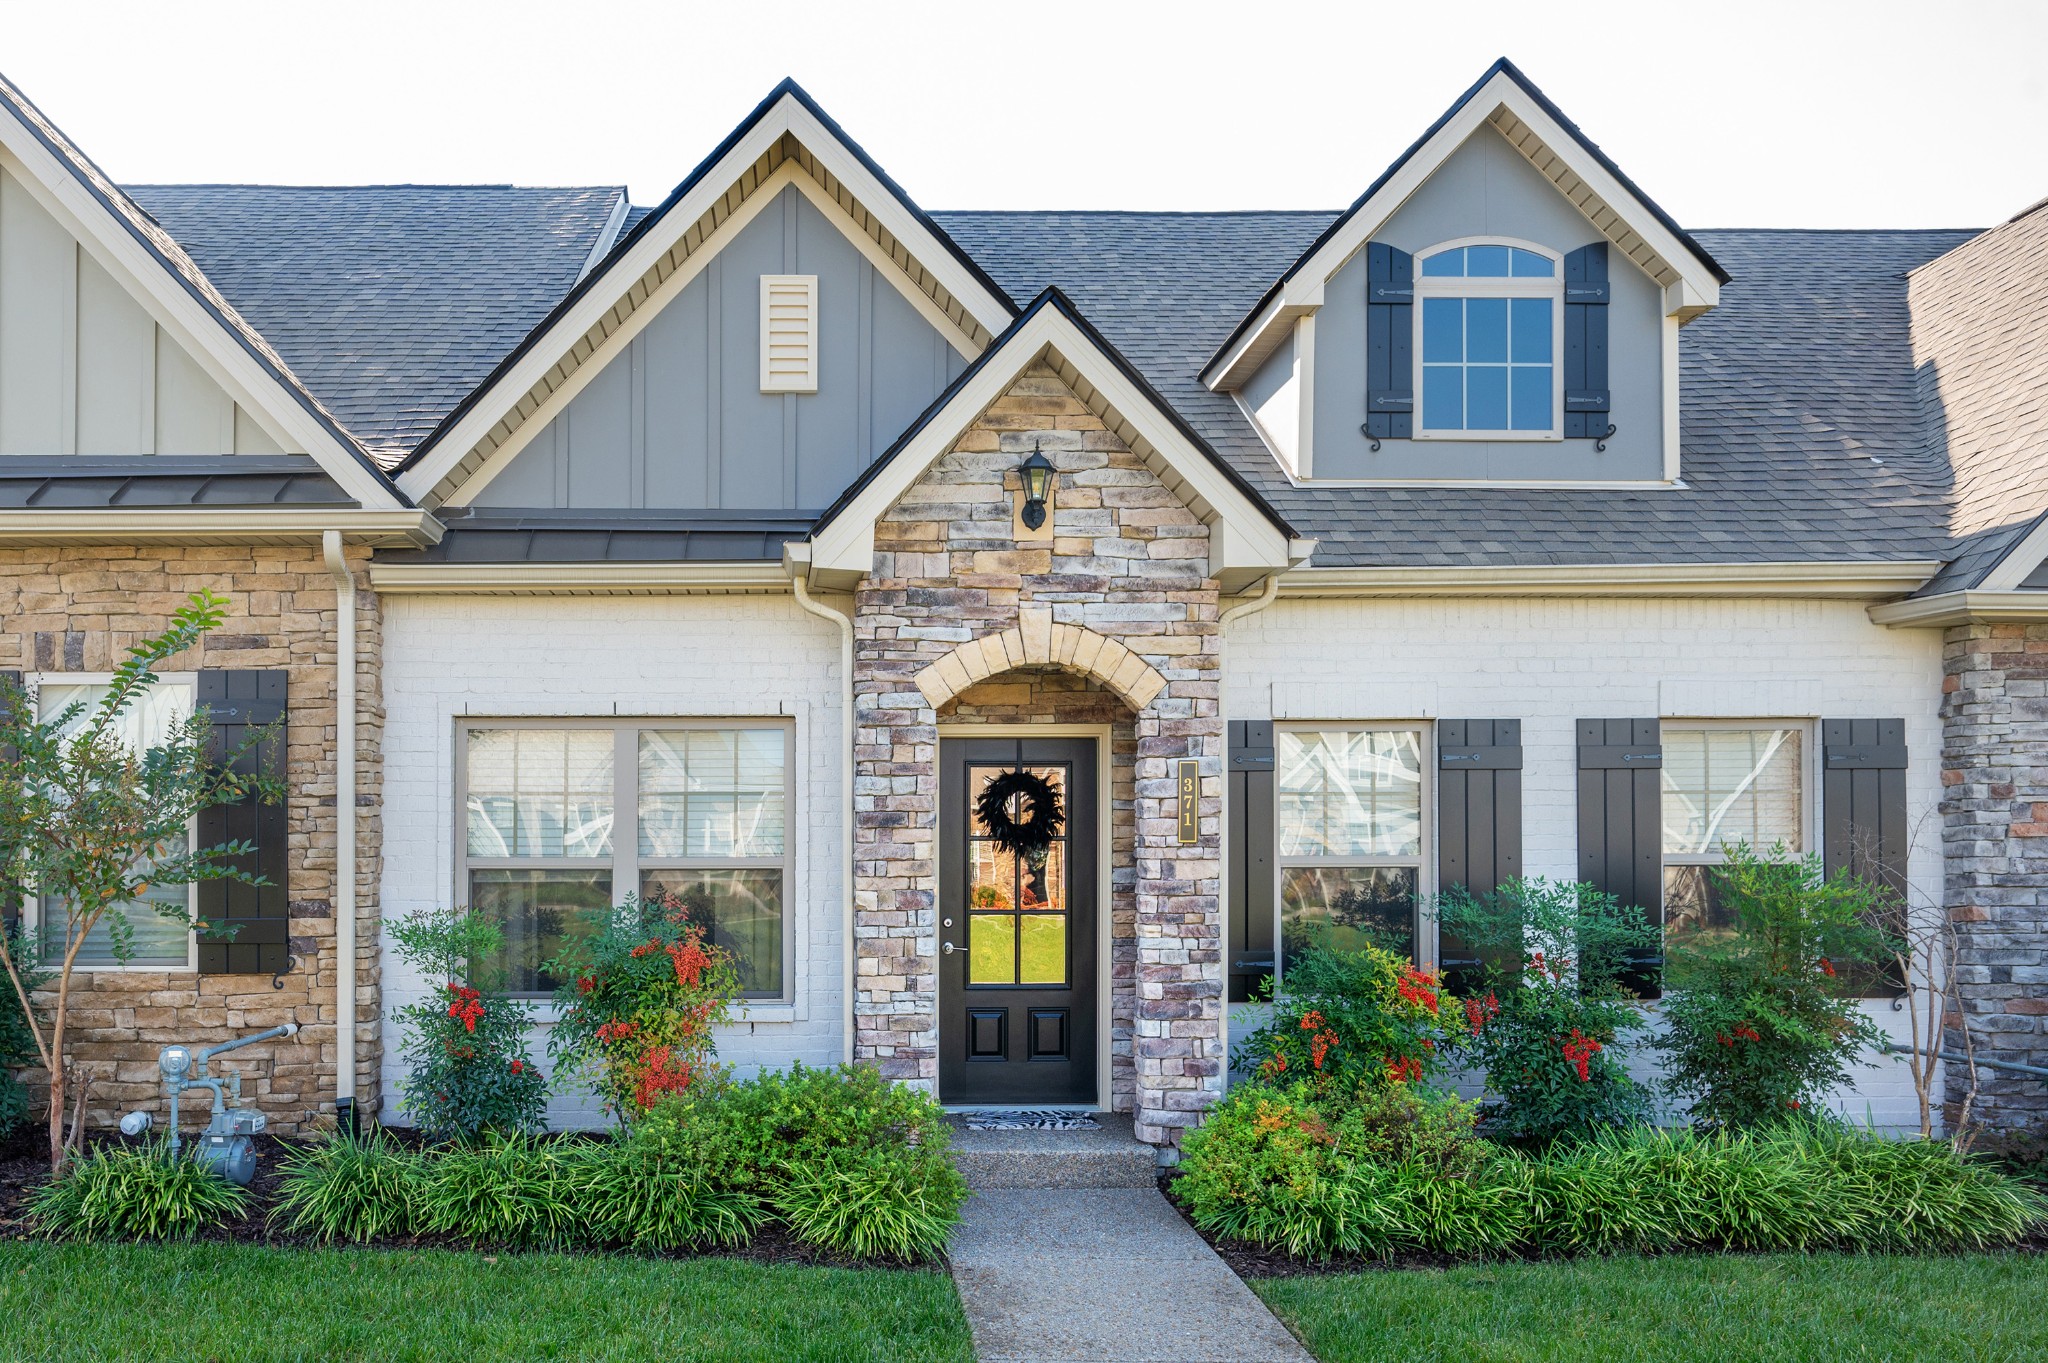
(559, 817)
(1726, 782)
(1350, 804)
(1491, 316)
(154, 940)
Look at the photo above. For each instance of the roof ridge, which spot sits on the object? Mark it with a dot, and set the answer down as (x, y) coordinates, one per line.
(382, 184)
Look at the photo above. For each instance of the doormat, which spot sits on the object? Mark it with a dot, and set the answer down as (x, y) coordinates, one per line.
(1029, 1119)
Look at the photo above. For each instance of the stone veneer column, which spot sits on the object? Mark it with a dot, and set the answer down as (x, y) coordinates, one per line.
(1995, 841)
(1128, 562)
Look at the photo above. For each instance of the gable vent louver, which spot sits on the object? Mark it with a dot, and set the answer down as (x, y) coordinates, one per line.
(789, 333)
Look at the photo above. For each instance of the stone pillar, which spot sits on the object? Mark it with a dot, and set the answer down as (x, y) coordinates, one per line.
(1995, 840)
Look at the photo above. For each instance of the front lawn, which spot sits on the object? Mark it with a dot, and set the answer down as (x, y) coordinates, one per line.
(1789, 1308)
(244, 1302)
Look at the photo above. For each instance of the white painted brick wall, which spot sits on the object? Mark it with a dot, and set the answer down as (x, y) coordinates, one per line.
(1551, 662)
(685, 657)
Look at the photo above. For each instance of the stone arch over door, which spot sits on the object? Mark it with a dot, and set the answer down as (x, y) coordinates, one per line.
(1037, 641)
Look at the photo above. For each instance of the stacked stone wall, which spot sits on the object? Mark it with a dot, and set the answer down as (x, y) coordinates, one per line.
(77, 610)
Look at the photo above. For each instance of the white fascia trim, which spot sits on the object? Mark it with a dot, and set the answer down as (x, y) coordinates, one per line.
(210, 525)
(607, 236)
(170, 306)
(1253, 541)
(1962, 608)
(1853, 579)
(575, 579)
(2017, 564)
(788, 116)
(1696, 290)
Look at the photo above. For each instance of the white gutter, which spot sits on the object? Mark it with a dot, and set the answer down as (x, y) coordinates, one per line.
(344, 823)
(1268, 594)
(1856, 579)
(845, 622)
(575, 579)
(215, 525)
(1965, 607)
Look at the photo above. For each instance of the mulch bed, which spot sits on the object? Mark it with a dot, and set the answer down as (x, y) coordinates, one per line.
(1254, 1261)
(25, 1166)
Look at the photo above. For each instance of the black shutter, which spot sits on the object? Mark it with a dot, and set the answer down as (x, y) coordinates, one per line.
(1863, 799)
(1252, 829)
(1479, 822)
(1389, 342)
(10, 895)
(1621, 836)
(241, 703)
(1586, 405)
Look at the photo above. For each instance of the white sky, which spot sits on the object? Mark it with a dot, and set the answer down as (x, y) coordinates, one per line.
(1816, 113)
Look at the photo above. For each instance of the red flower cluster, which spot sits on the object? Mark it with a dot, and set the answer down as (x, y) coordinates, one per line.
(690, 961)
(1275, 1066)
(617, 1030)
(586, 984)
(1311, 1020)
(468, 1005)
(1404, 1069)
(1745, 1032)
(1418, 987)
(1479, 1012)
(1320, 1048)
(1580, 1049)
(1827, 967)
(519, 1067)
(663, 1075)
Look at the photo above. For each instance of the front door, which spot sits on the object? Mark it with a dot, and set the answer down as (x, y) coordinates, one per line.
(1017, 933)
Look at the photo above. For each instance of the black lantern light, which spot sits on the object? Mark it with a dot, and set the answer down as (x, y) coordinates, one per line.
(1037, 475)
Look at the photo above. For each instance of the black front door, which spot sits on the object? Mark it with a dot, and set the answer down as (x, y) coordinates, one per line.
(1016, 934)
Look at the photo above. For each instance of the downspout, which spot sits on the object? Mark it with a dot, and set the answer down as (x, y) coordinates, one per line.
(344, 831)
(1267, 594)
(810, 603)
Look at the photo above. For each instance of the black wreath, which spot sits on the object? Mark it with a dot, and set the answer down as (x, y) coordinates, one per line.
(1033, 834)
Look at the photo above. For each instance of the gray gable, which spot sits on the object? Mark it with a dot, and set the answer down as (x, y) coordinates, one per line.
(390, 302)
(1801, 437)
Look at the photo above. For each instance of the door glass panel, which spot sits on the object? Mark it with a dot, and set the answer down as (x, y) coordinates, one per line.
(1017, 928)
(992, 948)
(1042, 948)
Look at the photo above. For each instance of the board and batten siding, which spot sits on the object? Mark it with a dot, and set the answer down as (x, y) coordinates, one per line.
(1552, 663)
(84, 368)
(679, 421)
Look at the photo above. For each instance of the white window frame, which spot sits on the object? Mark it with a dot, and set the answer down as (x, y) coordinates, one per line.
(32, 902)
(625, 862)
(1809, 783)
(1423, 861)
(1438, 286)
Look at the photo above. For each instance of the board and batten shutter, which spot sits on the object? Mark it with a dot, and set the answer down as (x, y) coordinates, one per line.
(1863, 799)
(1479, 821)
(1389, 342)
(1586, 403)
(1252, 830)
(1621, 833)
(240, 703)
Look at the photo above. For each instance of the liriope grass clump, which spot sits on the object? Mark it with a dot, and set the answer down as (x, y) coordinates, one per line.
(353, 1189)
(139, 1192)
(515, 1190)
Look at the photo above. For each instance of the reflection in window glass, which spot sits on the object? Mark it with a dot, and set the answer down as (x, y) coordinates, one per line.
(1348, 907)
(1350, 808)
(741, 910)
(1731, 785)
(540, 792)
(535, 909)
(153, 938)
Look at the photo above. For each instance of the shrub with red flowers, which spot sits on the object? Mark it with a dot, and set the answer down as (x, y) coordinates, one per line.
(642, 992)
(468, 1073)
(1546, 1031)
(1349, 1020)
(1762, 1023)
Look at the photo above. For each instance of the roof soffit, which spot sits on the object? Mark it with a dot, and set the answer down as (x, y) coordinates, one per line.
(155, 270)
(788, 140)
(1506, 102)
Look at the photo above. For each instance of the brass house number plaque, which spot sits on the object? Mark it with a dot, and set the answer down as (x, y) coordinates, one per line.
(1188, 793)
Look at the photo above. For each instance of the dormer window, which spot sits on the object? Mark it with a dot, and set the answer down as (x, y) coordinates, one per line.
(1492, 321)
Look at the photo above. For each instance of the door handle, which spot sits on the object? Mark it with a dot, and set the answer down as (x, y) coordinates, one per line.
(948, 948)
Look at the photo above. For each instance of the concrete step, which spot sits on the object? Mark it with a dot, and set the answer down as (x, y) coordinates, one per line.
(1109, 1157)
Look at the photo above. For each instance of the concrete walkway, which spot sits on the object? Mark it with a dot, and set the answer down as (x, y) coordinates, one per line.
(1103, 1275)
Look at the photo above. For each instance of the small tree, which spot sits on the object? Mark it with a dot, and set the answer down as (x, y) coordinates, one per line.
(465, 1043)
(17, 1045)
(89, 823)
(1760, 1023)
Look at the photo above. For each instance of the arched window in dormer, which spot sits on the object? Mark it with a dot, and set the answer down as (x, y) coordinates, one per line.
(1492, 323)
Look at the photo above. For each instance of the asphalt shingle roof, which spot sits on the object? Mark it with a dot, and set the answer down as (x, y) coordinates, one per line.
(390, 301)
(1801, 438)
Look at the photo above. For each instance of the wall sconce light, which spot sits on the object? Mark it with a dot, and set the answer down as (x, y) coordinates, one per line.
(1036, 473)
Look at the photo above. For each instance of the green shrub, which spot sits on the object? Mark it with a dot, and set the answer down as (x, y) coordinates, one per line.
(354, 1189)
(1346, 1019)
(516, 1190)
(1758, 1025)
(134, 1193)
(895, 1201)
(465, 1044)
(17, 1037)
(1548, 1017)
(644, 1196)
(1272, 1169)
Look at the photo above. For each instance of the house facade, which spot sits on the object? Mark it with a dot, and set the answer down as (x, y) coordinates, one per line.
(1310, 564)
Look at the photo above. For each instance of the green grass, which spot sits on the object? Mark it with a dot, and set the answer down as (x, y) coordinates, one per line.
(1681, 1309)
(242, 1302)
